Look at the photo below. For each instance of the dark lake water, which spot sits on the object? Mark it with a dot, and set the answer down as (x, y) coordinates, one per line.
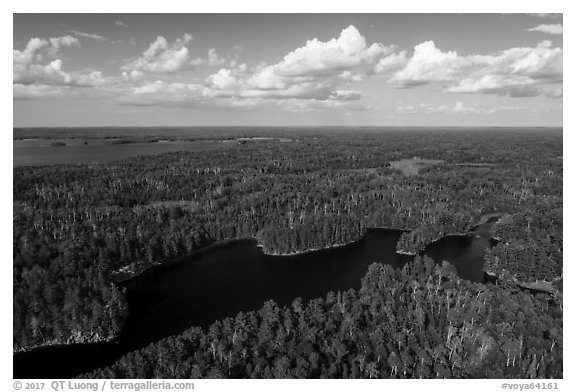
(41, 151)
(234, 276)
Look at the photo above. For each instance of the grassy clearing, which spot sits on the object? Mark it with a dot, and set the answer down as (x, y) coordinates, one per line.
(411, 167)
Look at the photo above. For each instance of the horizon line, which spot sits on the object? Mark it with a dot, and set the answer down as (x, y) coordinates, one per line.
(284, 126)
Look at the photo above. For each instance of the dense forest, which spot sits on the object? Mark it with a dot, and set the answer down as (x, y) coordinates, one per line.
(79, 228)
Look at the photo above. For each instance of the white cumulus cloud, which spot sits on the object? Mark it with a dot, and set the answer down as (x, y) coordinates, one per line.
(347, 52)
(429, 64)
(63, 42)
(322, 60)
(391, 62)
(38, 70)
(36, 48)
(223, 79)
(316, 71)
(163, 57)
(516, 72)
(212, 59)
(37, 64)
(556, 29)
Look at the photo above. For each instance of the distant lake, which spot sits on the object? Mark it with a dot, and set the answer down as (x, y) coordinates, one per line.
(32, 152)
(235, 275)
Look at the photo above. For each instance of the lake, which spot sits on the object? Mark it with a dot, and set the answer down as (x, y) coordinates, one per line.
(232, 276)
(32, 152)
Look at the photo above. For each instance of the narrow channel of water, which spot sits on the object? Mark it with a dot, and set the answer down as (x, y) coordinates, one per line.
(237, 276)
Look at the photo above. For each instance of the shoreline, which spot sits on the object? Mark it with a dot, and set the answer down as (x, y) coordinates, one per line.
(473, 230)
(309, 250)
(543, 286)
(428, 243)
(57, 342)
(123, 275)
(133, 273)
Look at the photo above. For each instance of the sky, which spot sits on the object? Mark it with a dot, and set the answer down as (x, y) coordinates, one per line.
(287, 69)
